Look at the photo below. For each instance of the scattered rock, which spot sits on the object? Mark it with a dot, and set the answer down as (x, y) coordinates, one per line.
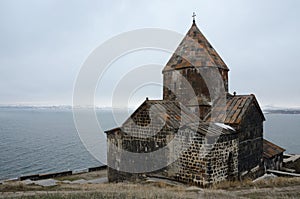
(81, 181)
(79, 171)
(193, 188)
(98, 180)
(27, 182)
(46, 183)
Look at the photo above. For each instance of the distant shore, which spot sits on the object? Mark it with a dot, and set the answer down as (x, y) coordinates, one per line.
(266, 110)
(282, 111)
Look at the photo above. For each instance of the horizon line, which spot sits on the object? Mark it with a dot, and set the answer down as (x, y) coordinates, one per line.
(264, 107)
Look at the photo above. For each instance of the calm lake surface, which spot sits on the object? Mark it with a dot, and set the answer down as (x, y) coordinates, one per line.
(283, 130)
(35, 140)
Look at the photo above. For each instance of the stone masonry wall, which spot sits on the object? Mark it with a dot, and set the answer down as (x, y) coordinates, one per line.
(250, 140)
(207, 161)
(197, 159)
(195, 84)
(140, 145)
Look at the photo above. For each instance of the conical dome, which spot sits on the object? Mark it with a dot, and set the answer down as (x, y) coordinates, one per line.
(195, 51)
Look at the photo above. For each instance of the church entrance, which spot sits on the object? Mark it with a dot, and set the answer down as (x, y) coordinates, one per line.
(230, 166)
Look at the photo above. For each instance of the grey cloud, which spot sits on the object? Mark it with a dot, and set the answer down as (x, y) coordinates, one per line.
(44, 43)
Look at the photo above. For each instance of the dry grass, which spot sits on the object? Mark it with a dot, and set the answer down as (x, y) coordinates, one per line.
(120, 190)
(247, 183)
(13, 187)
(97, 195)
(272, 188)
(153, 190)
(277, 182)
(20, 187)
(233, 185)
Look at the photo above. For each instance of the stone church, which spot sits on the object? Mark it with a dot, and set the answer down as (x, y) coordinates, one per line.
(199, 133)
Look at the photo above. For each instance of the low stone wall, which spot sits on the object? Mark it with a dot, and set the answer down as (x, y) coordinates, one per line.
(293, 162)
(59, 174)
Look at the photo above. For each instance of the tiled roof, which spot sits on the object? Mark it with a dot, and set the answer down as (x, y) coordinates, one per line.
(234, 110)
(210, 129)
(175, 116)
(195, 50)
(271, 149)
(173, 113)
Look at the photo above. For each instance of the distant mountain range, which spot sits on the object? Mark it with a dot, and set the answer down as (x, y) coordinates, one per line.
(266, 109)
(65, 107)
(280, 110)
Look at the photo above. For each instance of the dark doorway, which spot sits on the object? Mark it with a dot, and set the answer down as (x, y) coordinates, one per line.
(230, 163)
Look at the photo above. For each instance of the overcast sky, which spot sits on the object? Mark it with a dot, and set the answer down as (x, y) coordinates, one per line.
(44, 43)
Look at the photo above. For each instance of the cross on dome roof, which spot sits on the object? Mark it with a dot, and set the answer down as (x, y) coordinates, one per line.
(194, 15)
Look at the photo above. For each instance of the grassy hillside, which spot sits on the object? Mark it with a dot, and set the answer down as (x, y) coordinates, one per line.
(272, 188)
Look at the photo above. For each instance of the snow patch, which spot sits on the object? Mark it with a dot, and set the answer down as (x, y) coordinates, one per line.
(224, 126)
(265, 177)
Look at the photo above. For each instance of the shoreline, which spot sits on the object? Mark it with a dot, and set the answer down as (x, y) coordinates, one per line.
(42, 176)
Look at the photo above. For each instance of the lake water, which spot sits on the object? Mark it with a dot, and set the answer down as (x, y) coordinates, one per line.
(45, 140)
(42, 140)
(284, 130)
